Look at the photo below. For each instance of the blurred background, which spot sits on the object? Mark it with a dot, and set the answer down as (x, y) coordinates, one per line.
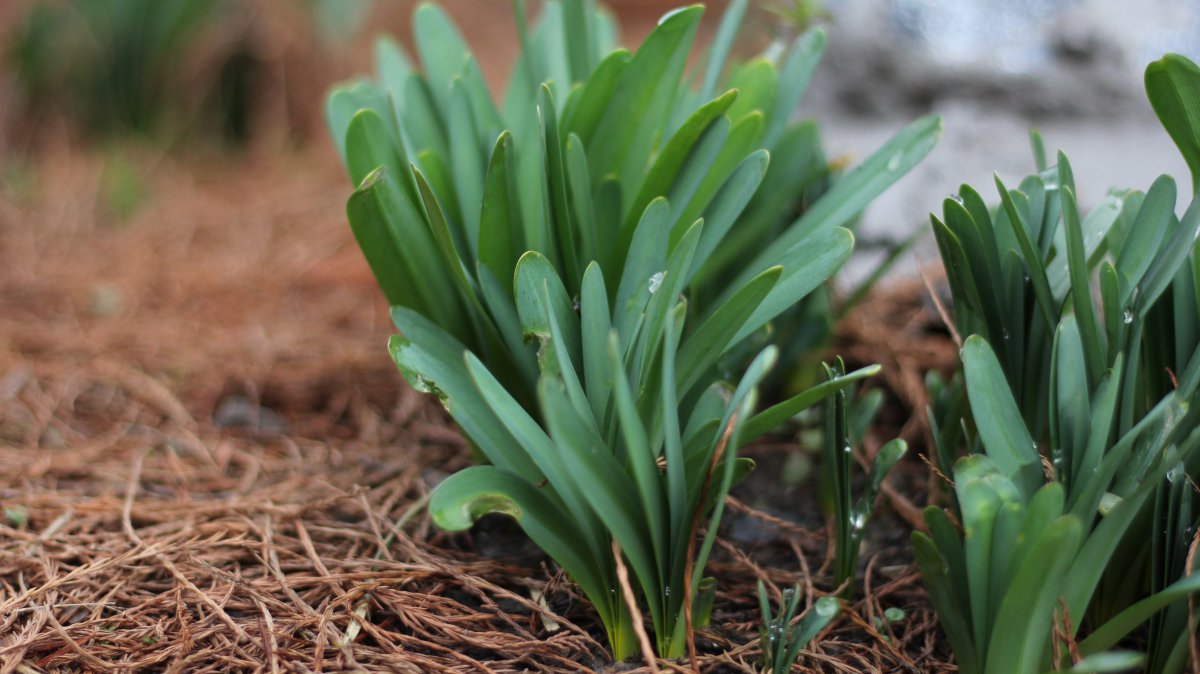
(166, 178)
(230, 76)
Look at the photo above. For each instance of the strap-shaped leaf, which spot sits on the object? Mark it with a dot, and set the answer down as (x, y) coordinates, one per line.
(1126, 621)
(1006, 536)
(442, 50)
(743, 141)
(503, 310)
(438, 175)
(1001, 426)
(421, 125)
(797, 167)
(609, 491)
(663, 297)
(370, 145)
(647, 257)
(562, 219)
(757, 84)
(722, 42)
(432, 361)
(701, 163)
(856, 189)
(981, 492)
(1144, 240)
(679, 150)
(1069, 390)
(488, 123)
(702, 349)
(500, 217)
(1113, 312)
(806, 266)
(644, 94)
(452, 258)
(1033, 260)
(1094, 348)
(461, 499)
(467, 164)
(775, 416)
(540, 292)
(979, 249)
(578, 19)
(583, 208)
(541, 450)
(678, 510)
(1009, 553)
(727, 206)
(938, 578)
(392, 66)
(1096, 552)
(568, 373)
(1102, 663)
(1024, 617)
(803, 57)
(1173, 86)
(384, 255)
(399, 245)
(599, 89)
(344, 102)
(1174, 253)
(741, 405)
(595, 324)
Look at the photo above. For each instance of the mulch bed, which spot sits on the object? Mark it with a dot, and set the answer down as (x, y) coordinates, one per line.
(210, 465)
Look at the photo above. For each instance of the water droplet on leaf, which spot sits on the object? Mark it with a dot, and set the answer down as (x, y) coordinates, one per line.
(655, 281)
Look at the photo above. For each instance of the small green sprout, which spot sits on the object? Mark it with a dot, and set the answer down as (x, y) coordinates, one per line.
(779, 639)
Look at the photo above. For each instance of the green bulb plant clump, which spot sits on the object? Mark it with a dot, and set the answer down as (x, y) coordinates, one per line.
(1075, 497)
(115, 62)
(578, 271)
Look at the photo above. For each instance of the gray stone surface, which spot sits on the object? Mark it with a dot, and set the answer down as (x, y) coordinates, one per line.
(993, 70)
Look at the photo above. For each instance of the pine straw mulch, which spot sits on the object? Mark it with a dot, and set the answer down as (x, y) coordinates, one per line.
(208, 464)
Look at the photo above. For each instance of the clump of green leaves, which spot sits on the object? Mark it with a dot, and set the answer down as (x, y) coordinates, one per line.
(630, 440)
(113, 62)
(779, 639)
(634, 443)
(578, 271)
(1083, 425)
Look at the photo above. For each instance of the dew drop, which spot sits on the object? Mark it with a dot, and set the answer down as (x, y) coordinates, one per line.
(667, 591)
(1175, 473)
(858, 521)
(956, 198)
(826, 606)
(894, 162)
(1127, 317)
(655, 281)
